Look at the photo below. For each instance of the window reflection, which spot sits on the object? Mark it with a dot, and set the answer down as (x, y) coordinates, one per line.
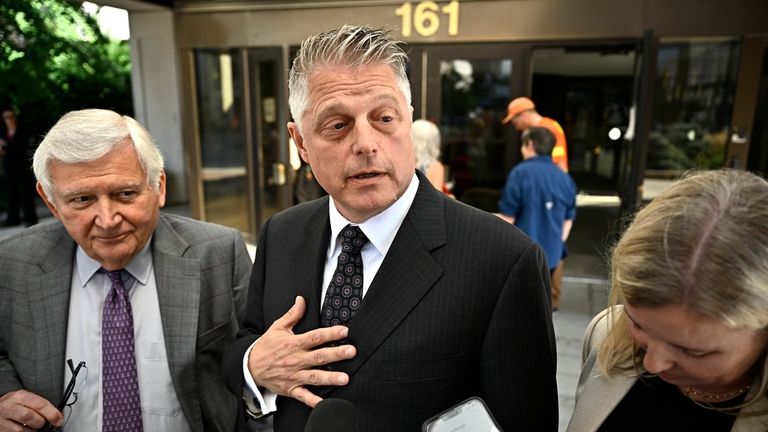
(474, 97)
(693, 104)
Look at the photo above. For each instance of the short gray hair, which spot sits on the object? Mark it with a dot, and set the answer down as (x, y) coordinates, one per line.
(86, 135)
(346, 46)
(426, 143)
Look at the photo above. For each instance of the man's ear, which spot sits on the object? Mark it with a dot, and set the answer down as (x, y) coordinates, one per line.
(298, 140)
(48, 202)
(161, 189)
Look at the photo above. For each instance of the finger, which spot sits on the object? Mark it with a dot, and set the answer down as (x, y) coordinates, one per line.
(26, 408)
(305, 396)
(11, 426)
(322, 336)
(294, 314)
(319, 377)
(40, 411)
(327, 355)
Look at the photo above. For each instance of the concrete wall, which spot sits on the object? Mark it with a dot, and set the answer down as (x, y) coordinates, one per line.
(156, 94)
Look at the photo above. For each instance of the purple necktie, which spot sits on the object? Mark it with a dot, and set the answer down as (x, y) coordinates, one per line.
(345, 292)
(122, 409)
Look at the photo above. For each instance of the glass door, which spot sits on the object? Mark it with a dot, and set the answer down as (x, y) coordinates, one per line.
(271, 170)
(220, 108)
(587, 88)
(465, 89)
(241, 116)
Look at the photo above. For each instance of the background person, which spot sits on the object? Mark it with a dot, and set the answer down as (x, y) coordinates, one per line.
(442, 301)
(15, 148)
(521, 112)
(112, 260)
(540, 199)
(426, 143)
(683, 344)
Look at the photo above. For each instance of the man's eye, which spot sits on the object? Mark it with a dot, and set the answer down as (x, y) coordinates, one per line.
(338, 125)
(79, 200)
(387, 119)
(127, 194)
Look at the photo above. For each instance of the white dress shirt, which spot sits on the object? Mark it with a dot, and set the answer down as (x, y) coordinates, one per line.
(380, 230)
(160, 408)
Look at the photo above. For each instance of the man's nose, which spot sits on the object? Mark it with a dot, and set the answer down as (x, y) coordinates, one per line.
(366, 139)
(107, 215)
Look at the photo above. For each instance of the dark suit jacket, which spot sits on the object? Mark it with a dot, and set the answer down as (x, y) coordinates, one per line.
(201, 271)
(459, 307)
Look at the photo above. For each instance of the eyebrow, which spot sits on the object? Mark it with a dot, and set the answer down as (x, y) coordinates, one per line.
(684, 348)
(85, 191)
(337, 106)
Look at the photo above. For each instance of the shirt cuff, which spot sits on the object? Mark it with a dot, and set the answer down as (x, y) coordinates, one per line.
(257, 404)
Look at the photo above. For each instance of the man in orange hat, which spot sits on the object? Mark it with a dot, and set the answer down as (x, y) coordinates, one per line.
(522, 113)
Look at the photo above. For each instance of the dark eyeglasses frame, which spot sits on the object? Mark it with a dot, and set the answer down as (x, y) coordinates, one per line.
(68, 392)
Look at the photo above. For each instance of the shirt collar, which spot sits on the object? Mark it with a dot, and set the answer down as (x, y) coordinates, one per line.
(379, 229)
(139, 267)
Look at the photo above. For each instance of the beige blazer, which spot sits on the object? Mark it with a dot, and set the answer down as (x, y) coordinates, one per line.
(597, 395)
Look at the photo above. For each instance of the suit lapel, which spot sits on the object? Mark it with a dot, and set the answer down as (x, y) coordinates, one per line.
(599, 394)
(312, 251)
(178, 292)
(49, 303)
(408, 272)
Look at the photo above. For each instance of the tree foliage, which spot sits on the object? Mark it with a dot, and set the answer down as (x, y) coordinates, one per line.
(54, 59)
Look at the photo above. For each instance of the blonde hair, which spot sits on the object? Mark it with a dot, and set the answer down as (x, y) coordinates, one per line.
(703, 243)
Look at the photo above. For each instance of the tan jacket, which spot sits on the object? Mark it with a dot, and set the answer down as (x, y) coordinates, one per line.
(597, 395)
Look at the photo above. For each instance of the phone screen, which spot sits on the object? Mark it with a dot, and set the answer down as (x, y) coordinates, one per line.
(472, 415)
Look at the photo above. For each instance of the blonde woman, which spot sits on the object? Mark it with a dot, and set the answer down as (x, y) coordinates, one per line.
(682, 346)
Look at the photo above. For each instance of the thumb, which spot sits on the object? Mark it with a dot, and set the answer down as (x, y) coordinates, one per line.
(294, 314)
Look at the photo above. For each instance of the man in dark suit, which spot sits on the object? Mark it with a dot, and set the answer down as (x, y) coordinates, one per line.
(454, 303)
(178, 282)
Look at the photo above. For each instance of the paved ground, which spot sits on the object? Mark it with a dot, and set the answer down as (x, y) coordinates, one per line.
(584, 290)
(582, 298)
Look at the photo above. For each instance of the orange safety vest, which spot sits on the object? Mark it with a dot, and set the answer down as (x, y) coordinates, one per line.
(560, 152)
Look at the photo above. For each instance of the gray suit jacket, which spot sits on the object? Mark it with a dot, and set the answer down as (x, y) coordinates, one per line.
(201, 271)
(459, 307)
(597, 395)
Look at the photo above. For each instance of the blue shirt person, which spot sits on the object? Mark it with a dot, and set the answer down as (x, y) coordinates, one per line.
(538, 197)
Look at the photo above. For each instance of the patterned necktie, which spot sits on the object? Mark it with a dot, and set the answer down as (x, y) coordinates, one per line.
(122, 409)
(345, 292)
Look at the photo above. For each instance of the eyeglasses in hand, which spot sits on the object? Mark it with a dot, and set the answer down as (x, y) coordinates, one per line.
(75, 385)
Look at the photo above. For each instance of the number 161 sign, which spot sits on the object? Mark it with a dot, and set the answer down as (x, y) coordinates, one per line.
(425, 17)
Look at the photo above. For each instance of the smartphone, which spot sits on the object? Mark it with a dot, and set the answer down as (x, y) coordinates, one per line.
(470, 415)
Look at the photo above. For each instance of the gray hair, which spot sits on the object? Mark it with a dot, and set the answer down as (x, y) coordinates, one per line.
(426, 143)
(346, 46)
(87, 135)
